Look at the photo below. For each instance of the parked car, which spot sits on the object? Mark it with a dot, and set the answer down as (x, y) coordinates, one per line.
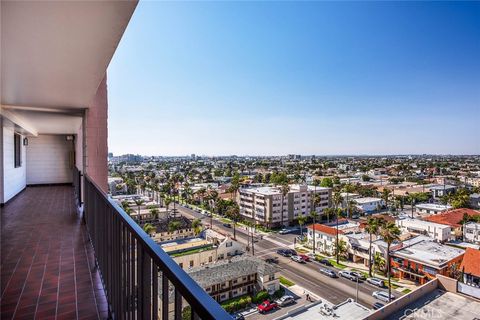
(284, 231)
(377, 305)
(325, 262)
(237, 316)
(359, 275)
(376, 282)
(271, 260)
(304, 257)
(285, 301)
(284, 252)
(348, 275)
(328, 272)
(227, 225)
(266, 306)
(382, 295)
(292, 252)
(297, 259)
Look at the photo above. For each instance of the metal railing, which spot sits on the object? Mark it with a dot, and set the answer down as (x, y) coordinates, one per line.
(77, 184)
(140, 280)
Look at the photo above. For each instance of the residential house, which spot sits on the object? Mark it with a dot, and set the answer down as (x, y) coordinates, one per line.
(431, 208)
(471, 232)
(436, 231)
(441, 190)
(453, 218)
(369, 204)
(325, 237)
(470, 267)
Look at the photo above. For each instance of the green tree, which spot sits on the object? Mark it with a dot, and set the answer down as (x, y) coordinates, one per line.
(390, 233)
(154, 212)
(314, 216)
(139, 203)
(197, 226)
(233, 212)
(301, 222)
(173, 226)
(284, 188)
(149, 228)
(341, 248)
(372, 227)
(327, 183)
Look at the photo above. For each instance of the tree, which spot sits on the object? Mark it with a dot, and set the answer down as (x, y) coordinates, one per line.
(197, 226)
(149, 228)
(173, 226)
(386, 195)
(284, 188)
(139, 203)
(372, 227)
(233, 212)
(167, 203)
(314, 216)
(337, 201)
(328, 212)
(379, 261)
(390, 233)
(341, 248)
(301, 221)
(327, 183)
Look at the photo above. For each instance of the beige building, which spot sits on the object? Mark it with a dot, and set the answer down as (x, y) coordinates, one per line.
(263, 205)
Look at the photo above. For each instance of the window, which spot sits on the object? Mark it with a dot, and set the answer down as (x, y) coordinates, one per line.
(17, 150)
(181, 265)
(191, 263)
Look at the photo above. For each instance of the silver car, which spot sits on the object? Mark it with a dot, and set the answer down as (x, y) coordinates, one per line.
(382, 295)
(285, 301)
(376, 282)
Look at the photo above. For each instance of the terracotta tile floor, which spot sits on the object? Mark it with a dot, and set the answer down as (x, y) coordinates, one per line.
(46, 259)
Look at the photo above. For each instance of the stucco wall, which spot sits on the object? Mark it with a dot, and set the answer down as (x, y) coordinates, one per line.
(15, 179)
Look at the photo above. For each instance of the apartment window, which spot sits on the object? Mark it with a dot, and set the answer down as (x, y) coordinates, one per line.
(210, 259)
(191, 263)
(17, 150)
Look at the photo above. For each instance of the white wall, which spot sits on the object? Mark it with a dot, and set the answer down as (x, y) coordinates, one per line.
(14, 178)
(1, 160)
(49, 159)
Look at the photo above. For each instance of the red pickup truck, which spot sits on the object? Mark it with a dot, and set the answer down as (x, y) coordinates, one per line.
(266, 306)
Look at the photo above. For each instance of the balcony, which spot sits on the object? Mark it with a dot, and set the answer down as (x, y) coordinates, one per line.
(56, 265)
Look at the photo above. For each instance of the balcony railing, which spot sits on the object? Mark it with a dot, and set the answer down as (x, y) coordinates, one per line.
(138, 276)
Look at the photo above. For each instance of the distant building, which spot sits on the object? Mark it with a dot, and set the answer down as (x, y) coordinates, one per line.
(475, 201)
(442, 190)
(424, 260)
(471, 233)
(369, 204)
(263, 205)
(235, 277)
(436, 231)
(470, 267)
(431, 208)
(453, 218)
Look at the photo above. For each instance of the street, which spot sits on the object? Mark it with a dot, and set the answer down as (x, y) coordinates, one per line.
(306, 275)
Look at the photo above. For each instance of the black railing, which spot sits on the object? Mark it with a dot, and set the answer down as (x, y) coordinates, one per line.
(77, 184)
(140, 280)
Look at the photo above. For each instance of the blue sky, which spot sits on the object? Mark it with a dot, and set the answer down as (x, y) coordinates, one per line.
(271, 78)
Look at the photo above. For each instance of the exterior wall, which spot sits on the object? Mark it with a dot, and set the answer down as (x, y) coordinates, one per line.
(15, 179)
(471, 232)
(196, 259)
(50, 159)
(438, 232)
(1, 160)
(96, 134)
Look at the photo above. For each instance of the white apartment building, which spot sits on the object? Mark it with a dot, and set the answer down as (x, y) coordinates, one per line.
(436, 231)
(431, 208)
(263, 205)
(471, 232)
(369, 204)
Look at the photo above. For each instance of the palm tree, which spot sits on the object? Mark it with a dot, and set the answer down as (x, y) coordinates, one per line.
(337, 201)
(390, 233)
(173, 226)
(139, 203)
(233, 212)
(314, 216)
(328, 212)
(301, 222)
(378, 261)
(386, 195)
(149, 228)
(154, 212)
(351, 208)
(372, 228)
(167, 203)
(197, 226)
(284, 188)
(341, 248)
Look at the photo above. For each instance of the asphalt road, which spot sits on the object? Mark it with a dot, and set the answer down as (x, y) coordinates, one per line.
(307, 275)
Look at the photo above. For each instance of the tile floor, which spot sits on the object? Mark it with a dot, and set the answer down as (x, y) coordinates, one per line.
(46, 259)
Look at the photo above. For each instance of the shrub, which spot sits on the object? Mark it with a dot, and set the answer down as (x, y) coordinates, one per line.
(279, 293)
(260, 297)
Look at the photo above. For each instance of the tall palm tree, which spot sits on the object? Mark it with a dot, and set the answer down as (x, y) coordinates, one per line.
(284, 188)
(386, 195)
(337, 201)
(301, 222)
(173, 226)
(390, 233)
(149, 228)
(233, 212)
(314, 216)
(154, 212)
(139, 203)
(372, 228)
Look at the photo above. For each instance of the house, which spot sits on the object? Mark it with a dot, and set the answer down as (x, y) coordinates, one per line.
(422, 261)
(431, 208)
(436, 231)
(369, 204)
(471, 232)
(453, 218)
(442, 190)
(325, 237)
(164, 230)
(235, 277)
(209, 247)
(470, 267)
(475, 200)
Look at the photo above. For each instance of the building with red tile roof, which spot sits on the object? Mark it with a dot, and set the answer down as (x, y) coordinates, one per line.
(325, 237)
(470, 267)
(453, 219)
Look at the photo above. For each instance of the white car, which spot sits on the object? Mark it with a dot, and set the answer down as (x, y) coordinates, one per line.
(376, 282)
(297, 259)
(285, 300)
(284, 231)
(382, 295)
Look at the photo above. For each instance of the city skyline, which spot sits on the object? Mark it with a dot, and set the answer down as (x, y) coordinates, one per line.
(308, 78)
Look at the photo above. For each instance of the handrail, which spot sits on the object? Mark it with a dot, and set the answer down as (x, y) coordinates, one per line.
(126, 254)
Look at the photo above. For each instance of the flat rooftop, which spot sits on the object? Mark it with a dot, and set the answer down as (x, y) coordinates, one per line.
(429, 252)
(433, 206)
(439, 305)
(348, 310)
(367, 200)
(422, 224)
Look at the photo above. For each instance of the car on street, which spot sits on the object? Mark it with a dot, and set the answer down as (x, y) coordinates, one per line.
(227, 225)
(382, 295)
(376, 282)
(271, 260)
(297, 259)
(348, 275)
(284, 231)
(304, 257)
(237, 316)
(284, 252)
(328, 272)
(266, 306)
(285, 301)
(377, 305)
(359, 275)
(325, 262)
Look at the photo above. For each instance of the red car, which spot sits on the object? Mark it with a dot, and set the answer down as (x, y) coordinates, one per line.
(266, 306)
(304, 257)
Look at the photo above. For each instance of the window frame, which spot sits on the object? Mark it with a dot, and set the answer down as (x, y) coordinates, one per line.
(17, 150)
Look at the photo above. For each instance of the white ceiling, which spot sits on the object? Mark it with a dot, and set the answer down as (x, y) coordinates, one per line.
(55, 54)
